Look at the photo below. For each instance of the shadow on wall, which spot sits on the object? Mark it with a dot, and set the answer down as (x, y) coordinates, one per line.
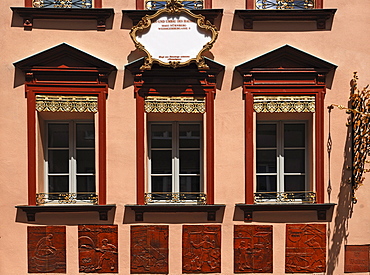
(344, 210)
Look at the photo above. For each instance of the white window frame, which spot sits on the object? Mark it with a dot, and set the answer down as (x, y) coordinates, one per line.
(175, 175)
(72, 162)
(280, 171)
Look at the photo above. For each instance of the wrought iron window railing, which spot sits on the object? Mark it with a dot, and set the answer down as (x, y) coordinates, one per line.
(157, 5)
(66, 198)
(181, 197)
(284, 4)
(62, 4)
(285, 197)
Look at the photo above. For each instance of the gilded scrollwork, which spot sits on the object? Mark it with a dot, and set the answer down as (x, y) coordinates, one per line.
(168, 104)
(79, 104)
(284, 104)
(174, 7)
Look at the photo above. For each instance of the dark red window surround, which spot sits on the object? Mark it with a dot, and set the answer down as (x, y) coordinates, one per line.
(140, 4)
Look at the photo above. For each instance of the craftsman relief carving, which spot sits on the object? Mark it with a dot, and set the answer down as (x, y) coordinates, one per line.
(357, 258)
(201, 249)
(46, 249)
(175, 104)
(253, 249)
(98, 248)
(284, 104)
(305, 248)
(55, 103)
(149, 249)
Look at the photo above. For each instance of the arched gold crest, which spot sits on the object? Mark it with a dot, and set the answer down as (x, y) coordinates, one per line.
(174, 7)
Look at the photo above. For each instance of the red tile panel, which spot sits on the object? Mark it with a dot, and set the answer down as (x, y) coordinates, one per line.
(98, 248)
(305, 248)
(253, 249)
(46, 249)
(201, 249)
(357, 258)
(149, 249)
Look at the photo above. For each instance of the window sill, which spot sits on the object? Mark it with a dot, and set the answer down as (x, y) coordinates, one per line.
(321, 16)
(28, 14)
(32, 210)
(137, 15)
(161, 208)
(322, 209)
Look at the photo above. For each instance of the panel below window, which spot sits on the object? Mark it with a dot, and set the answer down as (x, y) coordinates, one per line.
(63, 4)
(285, 4)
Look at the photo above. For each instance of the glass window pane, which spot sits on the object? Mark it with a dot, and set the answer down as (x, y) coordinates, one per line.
(58, 135)
(266, 184)
(266, 135)
(266, 161)
(58, 184)
(294, 161)
(190, 184)
(294, 183)
(189, 135)
(58, 161)
(85, 161)
(85, 135)
(161, 184)
(161, 136)
(161, 162)
(85, 184)
(294, 135)
(190, 162)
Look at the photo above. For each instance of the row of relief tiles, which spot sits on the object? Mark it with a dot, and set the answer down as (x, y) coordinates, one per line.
(201, 249)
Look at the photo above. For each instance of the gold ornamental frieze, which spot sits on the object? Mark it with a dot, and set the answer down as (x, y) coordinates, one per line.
(79, 104)
(284, 104)
(174, 37)
(175, 104)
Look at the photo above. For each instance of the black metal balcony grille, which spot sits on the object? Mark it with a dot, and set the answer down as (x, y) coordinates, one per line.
(62, 4)
(66, 198)
(157, 5)
(285, 197)
(181, 197)
(284, 4)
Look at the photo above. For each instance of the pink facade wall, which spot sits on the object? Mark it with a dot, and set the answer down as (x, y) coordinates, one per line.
(346, 44)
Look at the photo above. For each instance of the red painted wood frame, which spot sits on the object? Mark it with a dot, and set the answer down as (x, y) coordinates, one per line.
(97, 3)
(140, 143)
(99, 90)
(319, 93)
(250, 4)
(140, 4)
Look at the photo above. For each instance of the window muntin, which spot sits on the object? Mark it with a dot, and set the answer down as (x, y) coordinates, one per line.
(157, 5)
(282, 161)
(284, 4)
(70, 161)
(63, 4)
(175, 161)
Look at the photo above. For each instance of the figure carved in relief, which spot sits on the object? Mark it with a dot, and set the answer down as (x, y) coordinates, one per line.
(108, 251)
(142, 255)
(45, 254)
(207, 255)
(245, 255)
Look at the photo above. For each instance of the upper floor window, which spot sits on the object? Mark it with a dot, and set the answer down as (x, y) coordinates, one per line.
(157, 5)
(284, 4)
(64, 4)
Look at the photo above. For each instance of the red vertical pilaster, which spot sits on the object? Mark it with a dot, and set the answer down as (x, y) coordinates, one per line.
(208, 4)
(140, 4)
(102, 149)
(249, 4)
(210, 146)
(140, 152)
(320, 147)
(249, 175)
(98, 4)
(31, 136)
(28, 3)
(319, 4)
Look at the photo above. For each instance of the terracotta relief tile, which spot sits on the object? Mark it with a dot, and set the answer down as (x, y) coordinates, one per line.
(253, 249)
(357, 258)
(305, 248)
(201, 249)
(149, 249)
(98, 248)
(46, 249)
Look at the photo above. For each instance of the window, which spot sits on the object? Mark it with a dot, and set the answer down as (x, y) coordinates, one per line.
(285, 4)
(282, 161)
(157, 5)
(175, 161)
(70, 161)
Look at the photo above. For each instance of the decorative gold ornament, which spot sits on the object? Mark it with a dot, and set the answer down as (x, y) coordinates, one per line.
(285, 197)
(169, 197)
(173, 7)
(284, 104)
(80, 104)
(175, 104)
(66, 198)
